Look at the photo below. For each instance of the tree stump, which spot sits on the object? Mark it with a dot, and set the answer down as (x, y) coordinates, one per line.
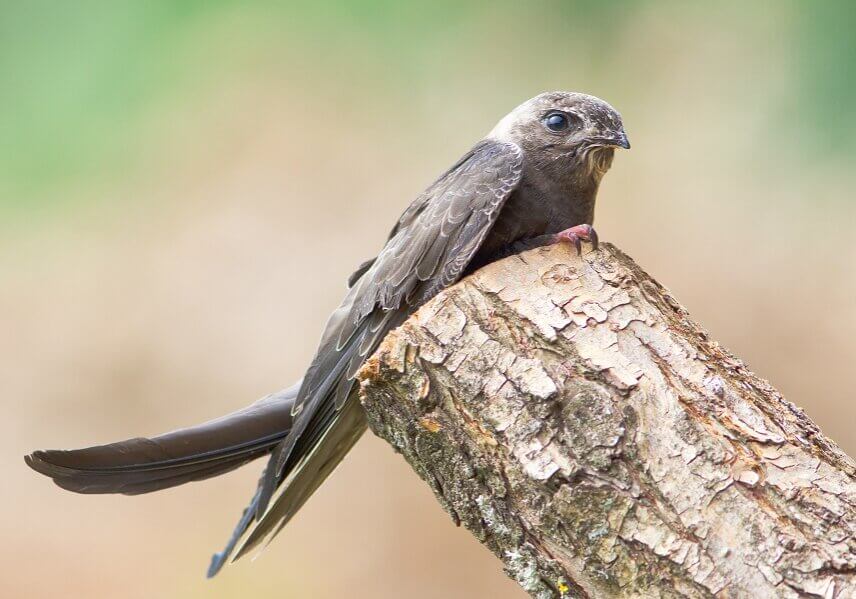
(572, 416)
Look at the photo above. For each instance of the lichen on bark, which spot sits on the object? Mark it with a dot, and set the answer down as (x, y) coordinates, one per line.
(569, 414)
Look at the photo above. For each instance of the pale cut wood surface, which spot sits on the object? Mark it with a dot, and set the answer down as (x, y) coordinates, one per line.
(569, 413)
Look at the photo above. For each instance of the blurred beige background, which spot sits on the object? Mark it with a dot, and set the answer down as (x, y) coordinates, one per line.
(185, 186)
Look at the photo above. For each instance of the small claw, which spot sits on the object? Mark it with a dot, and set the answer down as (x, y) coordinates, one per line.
(577, 235)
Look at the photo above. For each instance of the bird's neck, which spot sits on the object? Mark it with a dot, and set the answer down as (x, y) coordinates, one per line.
(584, 182)
(569, 195)
(584, 206)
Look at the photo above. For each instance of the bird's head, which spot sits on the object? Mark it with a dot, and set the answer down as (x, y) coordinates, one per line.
(565, 133)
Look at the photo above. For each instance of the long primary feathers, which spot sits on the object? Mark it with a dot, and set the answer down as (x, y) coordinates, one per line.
(427, 251)
(142, 465)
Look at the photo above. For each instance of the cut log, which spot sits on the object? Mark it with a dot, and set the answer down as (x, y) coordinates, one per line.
(569, 413)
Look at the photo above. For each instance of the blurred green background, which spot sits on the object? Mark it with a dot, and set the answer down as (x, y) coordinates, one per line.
(184, 186)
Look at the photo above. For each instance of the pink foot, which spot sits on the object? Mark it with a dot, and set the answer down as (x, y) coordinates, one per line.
(577, 235)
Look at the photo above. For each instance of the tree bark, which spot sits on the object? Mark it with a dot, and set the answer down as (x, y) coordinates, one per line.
(569, 413)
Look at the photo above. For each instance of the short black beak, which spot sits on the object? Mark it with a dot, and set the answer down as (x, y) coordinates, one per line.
(615, 140)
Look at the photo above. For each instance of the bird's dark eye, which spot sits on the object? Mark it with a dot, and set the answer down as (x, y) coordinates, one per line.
(556, 121)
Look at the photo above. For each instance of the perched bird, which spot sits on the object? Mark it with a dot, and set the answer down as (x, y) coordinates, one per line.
(532, 181)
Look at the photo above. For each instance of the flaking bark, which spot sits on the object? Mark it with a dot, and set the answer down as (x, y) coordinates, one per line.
(569, 413)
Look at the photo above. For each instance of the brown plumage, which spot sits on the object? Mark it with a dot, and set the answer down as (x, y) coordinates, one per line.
(143, 465)
(532, 180)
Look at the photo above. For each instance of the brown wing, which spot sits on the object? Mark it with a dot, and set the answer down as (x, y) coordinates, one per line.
(428, 249)
(438, 234)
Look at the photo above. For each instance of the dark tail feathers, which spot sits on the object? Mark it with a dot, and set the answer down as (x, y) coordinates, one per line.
(144, 465)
